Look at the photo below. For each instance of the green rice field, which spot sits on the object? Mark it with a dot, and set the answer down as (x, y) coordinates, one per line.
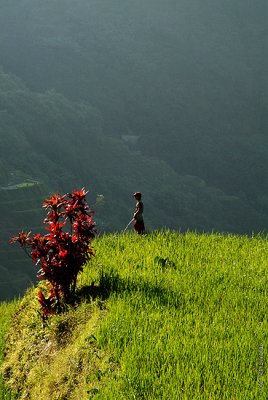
(162, 316)
(6, 311)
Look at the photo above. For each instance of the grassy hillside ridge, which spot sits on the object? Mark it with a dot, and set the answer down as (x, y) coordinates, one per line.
(6, 312)
(164, 316)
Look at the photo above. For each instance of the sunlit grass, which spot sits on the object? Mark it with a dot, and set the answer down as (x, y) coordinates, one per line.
(162, 316)
(192, 328)
(6, 312)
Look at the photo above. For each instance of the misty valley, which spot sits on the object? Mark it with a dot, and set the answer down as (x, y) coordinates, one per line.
(168, 98)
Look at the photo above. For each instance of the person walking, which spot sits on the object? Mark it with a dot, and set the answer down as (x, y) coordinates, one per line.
(138, 214)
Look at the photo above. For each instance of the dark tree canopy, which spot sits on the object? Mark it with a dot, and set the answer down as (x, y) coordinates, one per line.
(168, 98)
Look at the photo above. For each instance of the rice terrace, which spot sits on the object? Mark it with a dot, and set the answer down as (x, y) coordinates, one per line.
(166, 315)
(155, 288)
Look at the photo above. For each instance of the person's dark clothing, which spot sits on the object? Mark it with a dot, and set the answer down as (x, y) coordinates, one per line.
(139, 226)
(138, 218)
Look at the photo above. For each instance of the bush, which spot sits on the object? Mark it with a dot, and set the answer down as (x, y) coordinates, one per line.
(61, 253)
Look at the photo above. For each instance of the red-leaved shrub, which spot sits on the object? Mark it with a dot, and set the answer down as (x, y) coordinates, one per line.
(62, 252)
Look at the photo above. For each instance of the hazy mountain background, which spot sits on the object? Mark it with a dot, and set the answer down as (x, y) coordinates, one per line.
(165, 97)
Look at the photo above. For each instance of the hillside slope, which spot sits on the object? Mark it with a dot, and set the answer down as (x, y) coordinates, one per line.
(7, 310)
(164, 316)
(51, 144)
(188, 81)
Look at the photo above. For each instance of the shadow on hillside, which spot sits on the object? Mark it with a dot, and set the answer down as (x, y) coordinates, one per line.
(114, 283)
(92, 292)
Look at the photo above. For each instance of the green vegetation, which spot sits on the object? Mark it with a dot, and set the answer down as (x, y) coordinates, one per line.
(167, 98)
(7, 310)
(81, 155)
(164, 316)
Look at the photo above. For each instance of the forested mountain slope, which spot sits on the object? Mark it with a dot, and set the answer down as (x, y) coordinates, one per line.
(165, 97)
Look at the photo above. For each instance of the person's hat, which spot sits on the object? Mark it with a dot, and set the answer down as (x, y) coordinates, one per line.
(137, 194)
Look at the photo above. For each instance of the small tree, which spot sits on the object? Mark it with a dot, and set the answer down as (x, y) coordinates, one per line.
(62, 252)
